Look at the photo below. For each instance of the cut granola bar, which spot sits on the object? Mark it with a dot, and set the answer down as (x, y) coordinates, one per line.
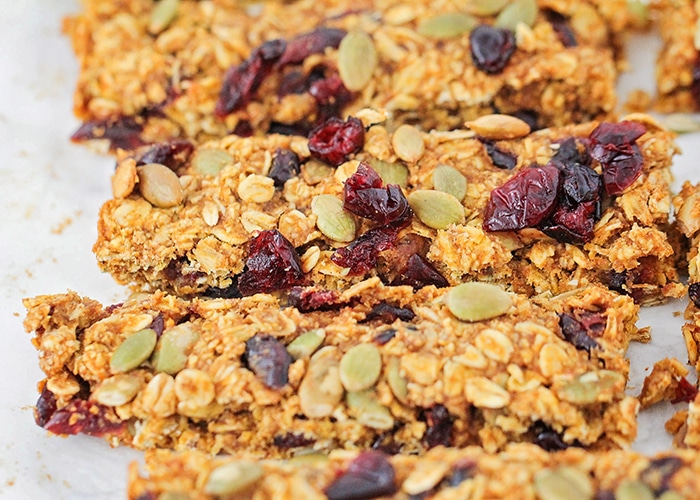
(373, 366)
(210, 69)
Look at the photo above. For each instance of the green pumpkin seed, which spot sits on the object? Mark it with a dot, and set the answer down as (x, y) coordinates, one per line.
(682, 123)
(314, 171)
(162, 15)
(447, 25)
(450, 180)
(357, 60)
(309, 457)
(171, 352)
(477, 301)
(391, 173)
(360, 367)
(519, 11)
(639, 13)
(233, 477)
(563, 483)
(397, 384)
(306, 344)
(160, 186)
(408, 144)
(436, 209)
(332, 219)
(117, 390)
(486, 7)
(211, 161)
(588, 387)
(133, 351)
(368, 411)
(633, 490)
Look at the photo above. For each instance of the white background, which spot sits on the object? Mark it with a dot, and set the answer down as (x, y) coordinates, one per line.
(50, 192)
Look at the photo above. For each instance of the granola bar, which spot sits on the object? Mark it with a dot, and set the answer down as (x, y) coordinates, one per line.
(204, 237)
(521, 471)
(375, 367)
(209, 69)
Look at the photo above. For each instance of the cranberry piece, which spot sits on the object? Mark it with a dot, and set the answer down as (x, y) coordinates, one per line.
(292, 440)
(268, 359)
(685, 392)
(293, 82)
(491, 48)
(334, 140)
(525, 200)
(530, 117)
(314, 42)
(580, 184)
(604, 495)
(694, 293)
(547, 438)
(45, 407)
(695, 83)
(418, 273)
(501, 159)
(361, 255)
(571, 151)
(301, 129)
(123, 133)
(84, 417)
(331, 95)
(384, 337)
(369, 475)
(365, 197)
(578, 332)
(229, 292)
(285, 165)
(173, 154)
(385, 443)
(243, 129)
(386, 313)
(440, 427)
(273, 264)
(572, 225)
(307, 300)
(613, 145)
(241, 82)
(659, 473)
(562, 28)
(158, 324)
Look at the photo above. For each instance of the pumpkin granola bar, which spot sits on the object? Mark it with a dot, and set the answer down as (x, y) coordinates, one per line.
(543, 212)
(521, 471)
(153, 71)
(373, 366)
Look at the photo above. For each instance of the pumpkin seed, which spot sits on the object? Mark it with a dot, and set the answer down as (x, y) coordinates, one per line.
(519, 11)
(210, 161)
(671, 495)
(368, 411)
(320, 390)
(563, 483)
(133, 351)
(497, 127)
(397, 384)
(447, 25)
(170, 355)
(588, 387)
(360, 367)
(682, 123)
(639, 14)
(117, 390)
(450, 180)
(160, 186)
(332, 219)
(633, 490)
(408, 143)
(306, 344)
(233, 477)
(436, 209)
(391, 173)
(357, 60)
(314, 172)
(162, 15)
(486, 7)
(308, 457)
(477, 301)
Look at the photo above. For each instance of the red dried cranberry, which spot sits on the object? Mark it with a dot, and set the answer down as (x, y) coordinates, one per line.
(360, 256)
(314, 42)
(308, 299)
(365, 197)
(547, 438)
(334, 140)
(123, 133)
(572, 225)
(273, 264)
(85, 417)
(580, 184)
(292, 440)
(659, 473)
(491, 48)
(530, 117)
(293, 82)
(523, 201)
(243, 129)
(386, 443)
(173, 154)
(501, 159)
(386, 313)
(369, 475)
(175, 273)
(418, 273)
(285, 165)
(241, 82)
(685, 392)
(578, 333)
(613, 145)
(45, 407)
(695, 82)
(158, 324)
(570, 151)
(383, 337)
(440, 427)
(331, 96)
(229, 292)
(561, 27)
(694, 293)
(268, 359)
(301, 129)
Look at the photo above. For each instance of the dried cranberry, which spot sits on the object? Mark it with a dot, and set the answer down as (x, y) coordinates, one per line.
(440, 427)
(301, 129)
(314, 42)
(331, 95)
(45, 407)
(292, 440)
(561, 27)
(285, 165)
(418, 273)
(386, 313)
(229, 292)
(491, 48)
(268, 359)
(384, 337)
(685, 392)
(579, 333)
(613, 145)
(307, 300)
(360, 256)
(572, 225)
(530, 117)
(547, 438)
(462, 470)
(123, 133)
(84, 417)
(293, 82)
(386, 443)
(695, 82)
(501, 159)
(523, 201)
(273, 264)
(241, 82)
(158, 324)
(365, 197)
(334, 140)
(173, 154)
(369, 475)
(243, 129)
(176, 274)
(580, 184)
(694, 293)
(571, 151)
(659, 473)
(604, 495)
